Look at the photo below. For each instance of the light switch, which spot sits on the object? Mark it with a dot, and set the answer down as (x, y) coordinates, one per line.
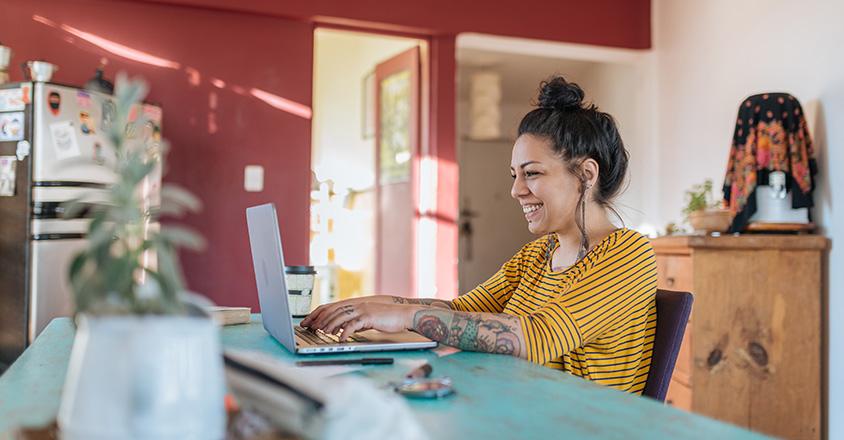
(253, 178)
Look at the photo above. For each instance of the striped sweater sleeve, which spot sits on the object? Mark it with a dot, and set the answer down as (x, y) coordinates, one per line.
(492, 295)
(615, 288)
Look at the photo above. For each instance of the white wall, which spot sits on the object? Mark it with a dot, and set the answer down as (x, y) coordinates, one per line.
(618, 89)
(712, 54)
(341, 61)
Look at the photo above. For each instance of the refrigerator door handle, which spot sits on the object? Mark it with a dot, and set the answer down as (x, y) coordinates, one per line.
(59, 236)
(69, 184)
(56, 210)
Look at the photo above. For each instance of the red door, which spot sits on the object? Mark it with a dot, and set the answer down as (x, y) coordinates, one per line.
(397, 101)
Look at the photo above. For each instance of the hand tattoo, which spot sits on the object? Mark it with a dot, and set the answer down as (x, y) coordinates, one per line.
(485, 332)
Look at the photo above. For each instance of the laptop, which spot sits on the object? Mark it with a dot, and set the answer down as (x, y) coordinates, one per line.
(268, 261)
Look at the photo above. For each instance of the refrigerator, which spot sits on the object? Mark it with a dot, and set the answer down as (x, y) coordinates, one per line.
(53, 144)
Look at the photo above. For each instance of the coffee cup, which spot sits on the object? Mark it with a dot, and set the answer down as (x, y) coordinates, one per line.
(300, 285)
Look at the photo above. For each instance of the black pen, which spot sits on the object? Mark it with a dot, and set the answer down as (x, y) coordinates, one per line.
(362, 361)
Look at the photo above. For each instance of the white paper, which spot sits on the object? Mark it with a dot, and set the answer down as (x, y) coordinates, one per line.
(7, 175)
(64, 140)
(12, 100)
(318, 372)
(354, 408)
(11, 126)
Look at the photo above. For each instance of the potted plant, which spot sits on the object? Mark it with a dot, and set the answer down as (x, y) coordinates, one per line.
(144, 363)
(704, 214)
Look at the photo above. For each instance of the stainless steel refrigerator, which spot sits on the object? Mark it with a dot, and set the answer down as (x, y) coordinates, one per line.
(52, 146)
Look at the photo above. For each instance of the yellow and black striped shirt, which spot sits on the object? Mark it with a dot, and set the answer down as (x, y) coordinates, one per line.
(596, 319)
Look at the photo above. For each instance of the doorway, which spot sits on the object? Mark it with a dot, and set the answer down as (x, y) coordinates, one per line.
(366, 148)
(491, 224)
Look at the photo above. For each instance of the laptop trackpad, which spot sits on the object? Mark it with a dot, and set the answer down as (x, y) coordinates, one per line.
(378, 336)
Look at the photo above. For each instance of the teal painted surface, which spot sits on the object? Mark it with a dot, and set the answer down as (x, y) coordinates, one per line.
(497, 396)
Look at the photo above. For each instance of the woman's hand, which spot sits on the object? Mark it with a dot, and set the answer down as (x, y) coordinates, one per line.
(358, 314)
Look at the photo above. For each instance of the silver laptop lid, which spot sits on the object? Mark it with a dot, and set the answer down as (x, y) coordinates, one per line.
(268, 262)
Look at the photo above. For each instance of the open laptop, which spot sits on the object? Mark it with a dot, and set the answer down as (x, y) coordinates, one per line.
(268, 261)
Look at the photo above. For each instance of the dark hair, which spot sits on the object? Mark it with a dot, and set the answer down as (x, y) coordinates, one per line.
(578, 131)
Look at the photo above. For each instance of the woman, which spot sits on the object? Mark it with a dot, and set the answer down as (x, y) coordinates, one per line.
(581, 298)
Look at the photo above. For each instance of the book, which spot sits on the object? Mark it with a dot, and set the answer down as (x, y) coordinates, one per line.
(230, 315)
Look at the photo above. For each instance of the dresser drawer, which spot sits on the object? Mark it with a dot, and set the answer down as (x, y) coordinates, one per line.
(674, 272)
(679, 395)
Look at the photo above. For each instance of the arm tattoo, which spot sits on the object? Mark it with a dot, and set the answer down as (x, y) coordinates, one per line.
(423, 301)
(485, 332)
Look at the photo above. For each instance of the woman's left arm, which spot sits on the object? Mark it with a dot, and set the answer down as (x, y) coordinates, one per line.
(485, 332)
(471, 331)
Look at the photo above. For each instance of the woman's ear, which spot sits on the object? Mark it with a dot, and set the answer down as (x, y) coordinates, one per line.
(589, 169)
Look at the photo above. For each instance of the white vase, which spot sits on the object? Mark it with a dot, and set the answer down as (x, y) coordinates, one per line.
(150, 377)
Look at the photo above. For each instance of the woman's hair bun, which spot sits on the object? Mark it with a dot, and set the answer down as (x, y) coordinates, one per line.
(558, 94)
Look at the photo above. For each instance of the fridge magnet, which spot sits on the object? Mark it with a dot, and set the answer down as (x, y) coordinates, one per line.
(11, 126)
(85, 123)
(152, 132)
(83, 99)
(23, 149)
(99, 158)
(152, 112)
(130, 131)
(11, 100)
(108, 114)
(133, 114)
(64, 140)
(7, 175)
(26, 94)
(55, 102)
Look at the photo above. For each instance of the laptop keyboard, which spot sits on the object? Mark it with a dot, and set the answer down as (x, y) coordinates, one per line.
(318, 337)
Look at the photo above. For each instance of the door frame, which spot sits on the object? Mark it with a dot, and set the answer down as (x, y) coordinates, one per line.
(437, 142)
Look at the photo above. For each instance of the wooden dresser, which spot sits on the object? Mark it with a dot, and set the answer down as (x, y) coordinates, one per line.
(751, 354)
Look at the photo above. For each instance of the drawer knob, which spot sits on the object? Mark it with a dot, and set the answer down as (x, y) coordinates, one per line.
(758, 353)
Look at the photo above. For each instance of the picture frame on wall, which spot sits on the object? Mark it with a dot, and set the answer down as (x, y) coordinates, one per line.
(367, 128)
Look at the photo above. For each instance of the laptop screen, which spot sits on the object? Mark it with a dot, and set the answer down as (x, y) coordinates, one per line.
(268, 262)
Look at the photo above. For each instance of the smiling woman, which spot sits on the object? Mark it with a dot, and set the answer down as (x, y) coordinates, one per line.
(581, 298)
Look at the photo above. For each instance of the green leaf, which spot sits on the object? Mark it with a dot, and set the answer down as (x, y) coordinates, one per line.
(106, 277)
(77, 263)
(174, 196)
(180, 236)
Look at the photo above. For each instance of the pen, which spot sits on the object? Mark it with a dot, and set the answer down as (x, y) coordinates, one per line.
(419, 372)
(362, 361)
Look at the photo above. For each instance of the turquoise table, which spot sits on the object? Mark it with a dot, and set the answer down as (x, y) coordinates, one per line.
(497, 396)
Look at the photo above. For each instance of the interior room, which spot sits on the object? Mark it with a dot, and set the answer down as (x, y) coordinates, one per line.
(334, 219)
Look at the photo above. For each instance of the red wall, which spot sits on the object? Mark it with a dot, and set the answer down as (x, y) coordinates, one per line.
(248, 51)
(267, 44)
(620, 23)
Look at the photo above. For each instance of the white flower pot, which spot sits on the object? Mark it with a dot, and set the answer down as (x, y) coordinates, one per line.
(150, 377)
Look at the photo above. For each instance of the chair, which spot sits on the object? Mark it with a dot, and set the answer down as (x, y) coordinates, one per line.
(672, 314)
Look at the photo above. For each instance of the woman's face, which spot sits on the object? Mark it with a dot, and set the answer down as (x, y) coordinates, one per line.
(542, 184)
